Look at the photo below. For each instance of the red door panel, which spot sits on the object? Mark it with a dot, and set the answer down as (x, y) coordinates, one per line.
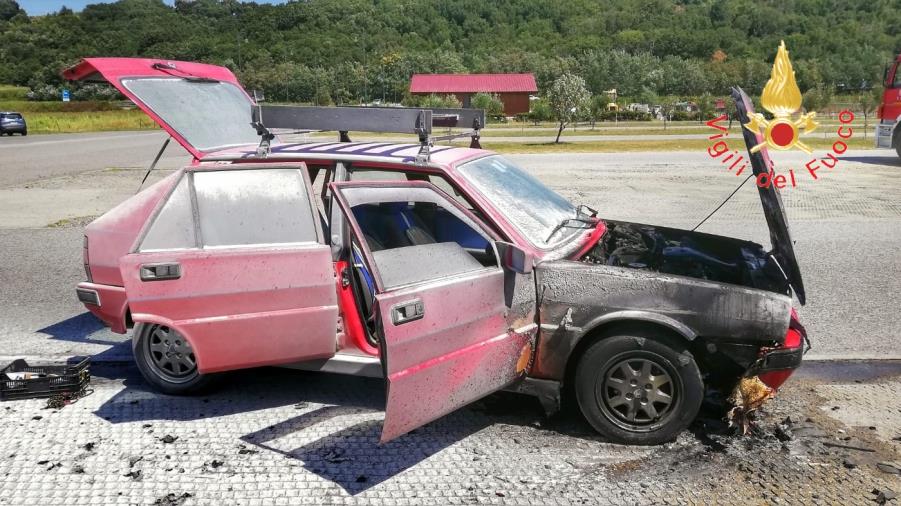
(242, 307)
(458, 352)
(447, 341)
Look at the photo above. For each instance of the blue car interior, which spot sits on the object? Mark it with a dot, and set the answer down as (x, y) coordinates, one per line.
(392, 225)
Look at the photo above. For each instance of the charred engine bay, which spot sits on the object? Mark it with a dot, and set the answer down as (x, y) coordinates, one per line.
(686, 253)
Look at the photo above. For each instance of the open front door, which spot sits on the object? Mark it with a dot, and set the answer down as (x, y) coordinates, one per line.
(234, 261)
(453, 325)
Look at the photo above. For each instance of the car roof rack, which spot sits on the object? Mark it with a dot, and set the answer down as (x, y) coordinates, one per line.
(418, 121)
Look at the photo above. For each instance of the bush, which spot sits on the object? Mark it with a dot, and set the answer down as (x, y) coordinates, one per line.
(683, 116)
(540, 111)
(433, 101)
(624, 116)
(491, 103)
(78, 92)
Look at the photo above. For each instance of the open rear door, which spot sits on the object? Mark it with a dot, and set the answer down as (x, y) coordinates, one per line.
(454, 326)
(201, 106)
(234, 260)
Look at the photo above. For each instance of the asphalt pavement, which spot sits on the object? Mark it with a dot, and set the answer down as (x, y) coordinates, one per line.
(34, 157)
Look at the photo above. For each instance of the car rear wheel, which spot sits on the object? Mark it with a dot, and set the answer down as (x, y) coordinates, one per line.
(24, 133)
(167, 361)
(638, 388)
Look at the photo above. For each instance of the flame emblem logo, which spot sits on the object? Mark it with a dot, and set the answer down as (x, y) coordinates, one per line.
(782, 98)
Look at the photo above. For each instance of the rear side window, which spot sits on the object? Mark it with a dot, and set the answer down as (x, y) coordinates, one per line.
(244, 207)
(234, 208)
(173, 227)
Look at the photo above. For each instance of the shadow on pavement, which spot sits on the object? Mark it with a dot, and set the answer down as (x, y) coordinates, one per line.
(335, 433)
(890, 160)
(352, 457)
(237, 392)
(86, 328)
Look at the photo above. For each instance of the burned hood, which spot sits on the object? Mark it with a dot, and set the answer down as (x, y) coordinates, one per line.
(203, 107)
(780, 238)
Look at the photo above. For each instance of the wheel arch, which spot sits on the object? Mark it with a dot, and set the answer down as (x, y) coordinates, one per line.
(143, 320)
(623, 322)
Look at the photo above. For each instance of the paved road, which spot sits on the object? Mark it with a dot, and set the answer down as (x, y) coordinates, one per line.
(846, 224)
(38, 156)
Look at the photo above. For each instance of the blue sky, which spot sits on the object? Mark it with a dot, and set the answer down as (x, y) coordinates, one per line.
(36, 7)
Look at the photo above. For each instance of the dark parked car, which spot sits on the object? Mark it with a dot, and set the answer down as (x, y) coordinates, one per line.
(12, 123)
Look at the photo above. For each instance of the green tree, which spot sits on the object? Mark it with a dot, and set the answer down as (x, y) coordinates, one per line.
(566, 97)
(817, 99)
(540, 110)
(596, 108)
(869, 100)
(490, 102)
(322, 96)
(9, 9)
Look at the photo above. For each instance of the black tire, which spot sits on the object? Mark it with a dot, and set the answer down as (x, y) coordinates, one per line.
(176, 377)
(896, 141)
(610, 397)
(24, 133)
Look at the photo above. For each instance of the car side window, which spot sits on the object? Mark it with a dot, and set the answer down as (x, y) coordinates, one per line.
(246, 207)
(234, 208)
(173, 227)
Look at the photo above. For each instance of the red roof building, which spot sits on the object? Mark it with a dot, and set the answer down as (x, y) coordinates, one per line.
(513, 89)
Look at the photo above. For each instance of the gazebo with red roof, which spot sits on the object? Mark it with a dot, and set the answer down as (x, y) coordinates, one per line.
(513, 89)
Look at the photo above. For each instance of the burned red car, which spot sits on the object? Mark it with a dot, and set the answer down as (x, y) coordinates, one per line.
(448, 271)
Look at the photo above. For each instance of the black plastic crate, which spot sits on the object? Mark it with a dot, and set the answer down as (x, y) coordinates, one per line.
(55, 380)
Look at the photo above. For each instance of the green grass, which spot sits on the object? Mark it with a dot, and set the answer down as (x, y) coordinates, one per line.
(67, 122)
(8, 92)
(25, 106)
(819, 145)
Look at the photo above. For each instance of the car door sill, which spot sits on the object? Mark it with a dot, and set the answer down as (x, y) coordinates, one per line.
(343, 363)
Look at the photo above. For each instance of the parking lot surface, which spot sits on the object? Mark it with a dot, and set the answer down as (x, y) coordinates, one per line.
(274, 436)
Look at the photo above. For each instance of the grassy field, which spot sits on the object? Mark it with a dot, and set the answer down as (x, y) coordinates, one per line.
(8, 92)
(99, 121)
(818, 144)
(72, 117)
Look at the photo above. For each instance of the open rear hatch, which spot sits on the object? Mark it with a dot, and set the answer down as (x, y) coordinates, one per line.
(203, 107)
(780, 238)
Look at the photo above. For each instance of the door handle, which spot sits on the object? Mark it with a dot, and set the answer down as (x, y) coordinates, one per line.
(407, 311)
(160, 272)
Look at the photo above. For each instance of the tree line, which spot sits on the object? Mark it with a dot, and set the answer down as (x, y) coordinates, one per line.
(351, 51)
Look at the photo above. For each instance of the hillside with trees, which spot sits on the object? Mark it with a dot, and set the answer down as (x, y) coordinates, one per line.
(342, 51)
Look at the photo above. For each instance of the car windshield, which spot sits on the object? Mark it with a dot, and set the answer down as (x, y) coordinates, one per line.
(534, 209)
(208, 114)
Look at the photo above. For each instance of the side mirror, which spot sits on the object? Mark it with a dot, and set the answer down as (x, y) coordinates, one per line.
(515, 258)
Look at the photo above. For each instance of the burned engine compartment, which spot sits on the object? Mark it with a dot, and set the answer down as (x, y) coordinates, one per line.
(687, 253)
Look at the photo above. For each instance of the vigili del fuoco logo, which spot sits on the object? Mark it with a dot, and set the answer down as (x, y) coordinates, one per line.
(781, 97)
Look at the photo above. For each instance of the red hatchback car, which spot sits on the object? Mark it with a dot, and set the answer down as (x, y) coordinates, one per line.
(448, 271)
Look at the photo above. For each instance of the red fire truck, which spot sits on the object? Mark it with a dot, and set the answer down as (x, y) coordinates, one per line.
(888, 135)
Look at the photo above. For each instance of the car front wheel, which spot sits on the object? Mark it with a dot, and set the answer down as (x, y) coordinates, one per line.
(167, 361)
(638, 388)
